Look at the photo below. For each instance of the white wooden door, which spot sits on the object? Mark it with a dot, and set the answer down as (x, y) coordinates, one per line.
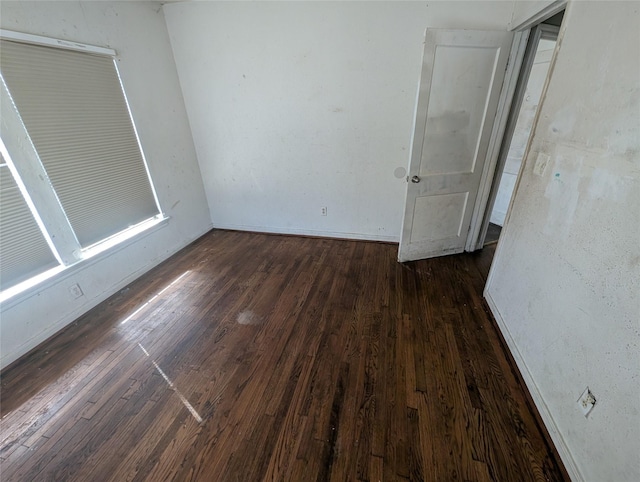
(462, 73)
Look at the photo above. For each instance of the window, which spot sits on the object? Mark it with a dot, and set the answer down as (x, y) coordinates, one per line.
(25, 252)
(69, 141)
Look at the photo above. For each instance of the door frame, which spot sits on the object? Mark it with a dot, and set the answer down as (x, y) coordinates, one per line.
(515, 81)
(547, 32)
(447, 182)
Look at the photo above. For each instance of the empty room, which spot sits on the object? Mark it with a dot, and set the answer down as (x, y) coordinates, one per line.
(248, 240)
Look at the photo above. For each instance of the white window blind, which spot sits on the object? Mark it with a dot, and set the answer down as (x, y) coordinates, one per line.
(74, 110)
(24, 252)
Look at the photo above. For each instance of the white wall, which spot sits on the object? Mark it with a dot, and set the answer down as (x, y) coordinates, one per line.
(525, 10)
(136, 30)
(565, 284)
(299, 105)
(522, 130)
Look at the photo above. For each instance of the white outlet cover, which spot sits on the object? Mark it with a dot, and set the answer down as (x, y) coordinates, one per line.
(76, 291)
(586, 402)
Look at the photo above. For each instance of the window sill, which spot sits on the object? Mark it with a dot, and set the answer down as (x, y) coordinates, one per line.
(91, 255)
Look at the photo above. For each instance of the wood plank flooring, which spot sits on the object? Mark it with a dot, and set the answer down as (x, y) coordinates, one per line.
(256, 357)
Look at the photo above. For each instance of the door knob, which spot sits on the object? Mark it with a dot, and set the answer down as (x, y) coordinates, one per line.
(415, 179)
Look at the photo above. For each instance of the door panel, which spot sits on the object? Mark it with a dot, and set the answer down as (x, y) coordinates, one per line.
(459, 90)
(445, 211)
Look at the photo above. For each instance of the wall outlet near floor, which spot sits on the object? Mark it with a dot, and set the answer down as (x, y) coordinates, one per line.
(323, 211)
(586, 402)
(76, 291)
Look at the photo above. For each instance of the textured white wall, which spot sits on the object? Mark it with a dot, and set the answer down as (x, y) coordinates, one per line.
(524, 10)
(137, 31)
(299, 105)
(565, 284)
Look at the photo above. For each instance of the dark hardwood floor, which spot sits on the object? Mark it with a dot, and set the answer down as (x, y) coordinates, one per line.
(256, 357)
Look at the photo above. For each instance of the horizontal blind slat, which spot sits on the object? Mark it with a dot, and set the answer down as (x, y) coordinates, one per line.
(75, 112)
(24, 251)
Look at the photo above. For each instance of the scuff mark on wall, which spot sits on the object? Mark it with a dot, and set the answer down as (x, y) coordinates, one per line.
(563, 192)
(563, 122)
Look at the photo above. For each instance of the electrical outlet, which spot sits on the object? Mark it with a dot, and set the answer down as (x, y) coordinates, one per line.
(76, 291)
(586, 402)
(323, 211)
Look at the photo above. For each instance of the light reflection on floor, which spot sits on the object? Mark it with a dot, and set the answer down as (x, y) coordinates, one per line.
(128, 318)
(182, 398)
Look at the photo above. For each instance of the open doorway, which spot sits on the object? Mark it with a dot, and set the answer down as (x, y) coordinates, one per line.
(532, 78)
(520, 138)
(466, 114)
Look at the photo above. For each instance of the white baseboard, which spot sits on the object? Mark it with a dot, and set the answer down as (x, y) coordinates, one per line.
(307, 232)
(543, 409)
